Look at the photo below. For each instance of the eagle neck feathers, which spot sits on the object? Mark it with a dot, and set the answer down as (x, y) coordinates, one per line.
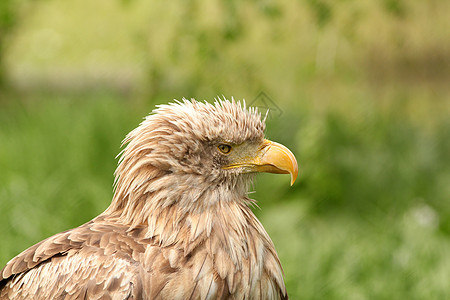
(197, 218)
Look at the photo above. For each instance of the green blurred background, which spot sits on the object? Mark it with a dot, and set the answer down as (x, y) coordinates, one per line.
(360, 93)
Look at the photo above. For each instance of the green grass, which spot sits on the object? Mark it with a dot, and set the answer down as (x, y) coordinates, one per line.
(367, 219)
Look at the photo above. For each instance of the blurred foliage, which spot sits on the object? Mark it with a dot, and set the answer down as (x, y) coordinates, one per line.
(362, 87)
(322, 10)
(395, 7)
(204, 48)
(6, 23)
(381, 162)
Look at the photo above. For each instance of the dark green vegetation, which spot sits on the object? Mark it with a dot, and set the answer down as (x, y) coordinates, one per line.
(364, 95)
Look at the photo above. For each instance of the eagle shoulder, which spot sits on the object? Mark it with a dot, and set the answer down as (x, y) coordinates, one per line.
(95, 260)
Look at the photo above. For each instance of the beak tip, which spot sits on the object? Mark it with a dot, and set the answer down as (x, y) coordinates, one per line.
(293, 178)
(294, 170)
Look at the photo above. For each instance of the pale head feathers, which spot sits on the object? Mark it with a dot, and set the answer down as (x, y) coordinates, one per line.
(172, 156)
(230, 121)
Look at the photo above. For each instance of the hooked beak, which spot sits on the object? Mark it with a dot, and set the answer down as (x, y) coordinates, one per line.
(271, 157)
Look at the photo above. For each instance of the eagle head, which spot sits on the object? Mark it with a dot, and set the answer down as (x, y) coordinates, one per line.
(187, 149)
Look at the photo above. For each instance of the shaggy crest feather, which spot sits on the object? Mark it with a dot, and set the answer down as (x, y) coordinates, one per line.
(179, 225)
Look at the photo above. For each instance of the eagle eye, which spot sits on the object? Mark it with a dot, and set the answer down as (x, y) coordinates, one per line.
(224, 148)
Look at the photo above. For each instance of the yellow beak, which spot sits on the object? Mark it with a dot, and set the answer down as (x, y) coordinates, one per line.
(271, 157)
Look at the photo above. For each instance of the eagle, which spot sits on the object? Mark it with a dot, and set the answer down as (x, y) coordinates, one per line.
(180, 224)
